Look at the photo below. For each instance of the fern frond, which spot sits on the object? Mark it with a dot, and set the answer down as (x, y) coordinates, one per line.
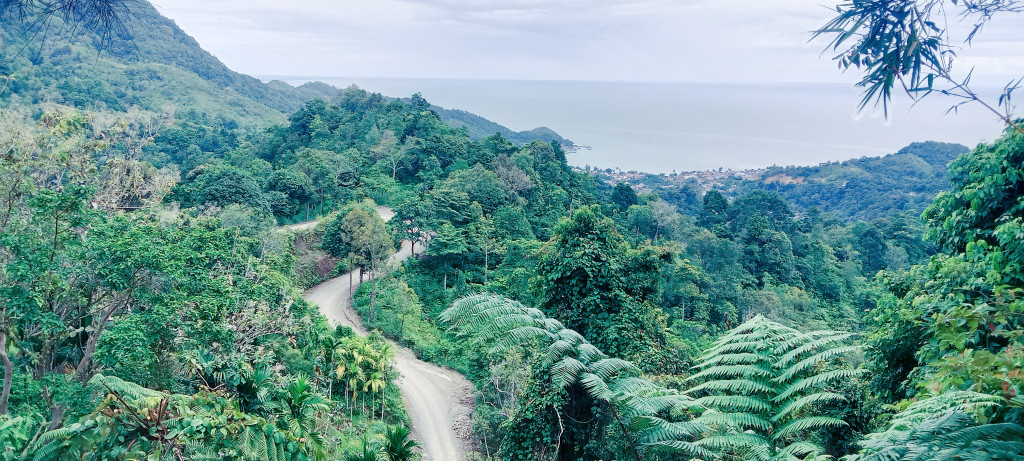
(127, 390)
(729, 441)
(740, 386)
(800, 450)
(566, 372)
(652, 429)
(596, 387)
(520, 335)
(735, 402)
(608, 368)
(556, 351)
(729, 371)
(810, 422)
(802, 343)
(631, 385)
(817, 380)
(742, 421)
(689, 449)
(798, 404)
(813, 360)
(732, 358)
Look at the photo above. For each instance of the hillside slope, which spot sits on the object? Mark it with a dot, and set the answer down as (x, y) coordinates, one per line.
(865, 188)
(154, 65)
(479, 128)
(157, 66)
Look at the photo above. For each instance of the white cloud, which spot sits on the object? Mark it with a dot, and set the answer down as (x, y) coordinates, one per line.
(646, 40)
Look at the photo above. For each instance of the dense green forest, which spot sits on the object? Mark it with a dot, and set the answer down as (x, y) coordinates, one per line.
(151, 303)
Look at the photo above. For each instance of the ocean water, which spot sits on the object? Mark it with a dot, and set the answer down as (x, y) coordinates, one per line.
(666, 127)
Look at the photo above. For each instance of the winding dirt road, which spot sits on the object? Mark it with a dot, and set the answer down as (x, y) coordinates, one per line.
(439, 400)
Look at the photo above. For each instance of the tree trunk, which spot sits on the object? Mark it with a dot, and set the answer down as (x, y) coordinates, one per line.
(373, 294)
(82, 371)
(8, 373)
(485, 267)
(56, 417)
(445, 280)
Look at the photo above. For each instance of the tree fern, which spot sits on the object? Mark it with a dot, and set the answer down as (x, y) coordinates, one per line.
(761, 384)
(571, 360)
(945, 428)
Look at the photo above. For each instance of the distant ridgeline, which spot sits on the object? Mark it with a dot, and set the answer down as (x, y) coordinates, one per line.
(858, 189)
(479, 128)
(156, 66)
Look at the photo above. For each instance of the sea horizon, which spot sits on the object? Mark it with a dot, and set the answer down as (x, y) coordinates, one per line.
(665, 127)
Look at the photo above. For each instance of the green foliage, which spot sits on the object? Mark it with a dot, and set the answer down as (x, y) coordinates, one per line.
(133, 422)
(587, 384)
(296, 187)
(397, 446)
(859, 189)
(399, 315)
(585, 275)
(765, 386)
(623, 197)
(907, 43)
(945, 427)
(360, 236)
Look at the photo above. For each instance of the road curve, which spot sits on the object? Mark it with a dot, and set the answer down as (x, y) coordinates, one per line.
(438, 399)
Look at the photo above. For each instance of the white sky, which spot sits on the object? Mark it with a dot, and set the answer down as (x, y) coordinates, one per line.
(624, 40)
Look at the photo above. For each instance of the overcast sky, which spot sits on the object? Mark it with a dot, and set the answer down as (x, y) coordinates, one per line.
(624, 40)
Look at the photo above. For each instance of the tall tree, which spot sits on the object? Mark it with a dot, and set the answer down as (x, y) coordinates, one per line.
(583, 282)
(624, 197)
(447, 249)
(370, 244)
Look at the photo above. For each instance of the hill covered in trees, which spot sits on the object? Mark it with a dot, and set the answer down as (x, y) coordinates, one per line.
(154, 65)
(864, 188)
(151, 64)
(479, 128)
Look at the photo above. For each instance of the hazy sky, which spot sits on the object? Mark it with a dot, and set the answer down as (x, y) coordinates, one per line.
(626, 40)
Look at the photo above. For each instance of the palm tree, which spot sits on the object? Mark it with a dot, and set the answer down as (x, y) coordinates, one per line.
(375, 383)
(397, 446)
(349, 370)
(300, 407)
(368, 453)
(385, 353)
(253, 388)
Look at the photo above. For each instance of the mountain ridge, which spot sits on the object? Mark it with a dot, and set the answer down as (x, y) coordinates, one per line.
(155, 64)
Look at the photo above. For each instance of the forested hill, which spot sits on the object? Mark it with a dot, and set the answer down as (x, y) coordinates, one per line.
(480, 128)
(864, 188)
(151, 64)
(859, 189)
(155, 65)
